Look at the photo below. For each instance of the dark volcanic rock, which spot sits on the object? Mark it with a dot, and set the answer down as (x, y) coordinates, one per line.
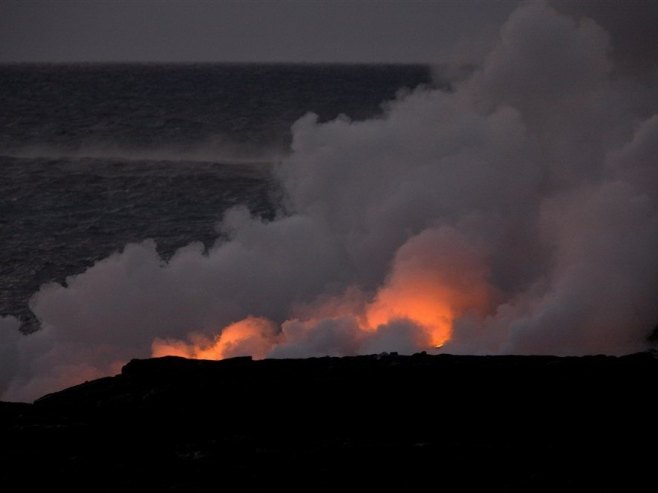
(515, 423)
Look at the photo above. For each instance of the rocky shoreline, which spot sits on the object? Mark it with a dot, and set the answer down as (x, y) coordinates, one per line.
(512, 423)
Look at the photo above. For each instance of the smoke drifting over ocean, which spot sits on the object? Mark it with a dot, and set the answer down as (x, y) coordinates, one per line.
(515, 214)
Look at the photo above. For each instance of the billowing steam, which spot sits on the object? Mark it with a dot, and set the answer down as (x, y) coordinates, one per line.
(515, 214)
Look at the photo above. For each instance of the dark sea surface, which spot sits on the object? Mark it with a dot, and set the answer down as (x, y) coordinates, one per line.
(93, 157)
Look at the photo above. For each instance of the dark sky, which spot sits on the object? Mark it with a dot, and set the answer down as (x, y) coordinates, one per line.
(248, 30)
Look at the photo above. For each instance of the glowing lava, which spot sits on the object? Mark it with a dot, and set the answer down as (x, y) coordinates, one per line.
(435, 279)
(253, 336)
(431, 313)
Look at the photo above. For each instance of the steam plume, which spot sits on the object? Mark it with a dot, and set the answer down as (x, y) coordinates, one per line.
(515, 214)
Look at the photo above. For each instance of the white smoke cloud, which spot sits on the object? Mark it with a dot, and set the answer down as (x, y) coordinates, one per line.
(528, 195)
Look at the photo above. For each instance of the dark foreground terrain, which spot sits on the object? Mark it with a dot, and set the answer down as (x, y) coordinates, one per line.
(445, 423)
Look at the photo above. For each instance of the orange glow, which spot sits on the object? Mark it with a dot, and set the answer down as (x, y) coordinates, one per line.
(251, 336)
(435, 279)
(418, 296)
(431, 313)
(424, 300)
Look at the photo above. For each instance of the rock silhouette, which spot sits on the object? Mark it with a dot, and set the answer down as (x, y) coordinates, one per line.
(514, 423)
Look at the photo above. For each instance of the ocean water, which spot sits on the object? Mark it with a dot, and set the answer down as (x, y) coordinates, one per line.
(93, 157)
